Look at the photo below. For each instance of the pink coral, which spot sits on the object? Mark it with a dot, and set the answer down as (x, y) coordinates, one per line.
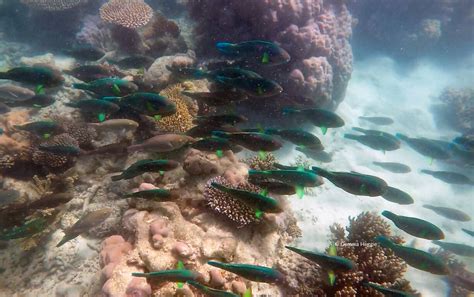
(307, 29)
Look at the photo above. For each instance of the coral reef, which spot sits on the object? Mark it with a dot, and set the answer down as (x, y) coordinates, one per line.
(315, 33)
(127, 13)
(53, 5)
(374, 263)
(182, 120)
(259, 163)
(457, 109)
(159, 76)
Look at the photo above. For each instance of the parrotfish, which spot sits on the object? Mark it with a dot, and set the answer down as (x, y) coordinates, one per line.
(393, 167)
(255, 51)
(174, 275)
(150, 104)
(29, 228)
(414, 226)
(115, 125)
(449, 177)
(387, 291)
(449, 213)
(456, 248)
(155, 194)
(377, 133)
(100, 108)
(84, 224)
(273, 186)
(11, 93)
(468, 232)
(414, 257)
(425, 147)
(41, 128)
(118, 148)
(142, 166)
(354, 183)
(298, 137)
(382, 121)
(212, 144)
(88, 73)
(206, 130)
(251, 272)
(106, 87)
(35, 75)
(218, 98)
(315, 154)
(85, 52)
(60, 149)
(220, 119)
(261, 202)
(135, 61)
(319, 117)
(297, 178)
(255, 87)
(210, 291)
(397, 196)
(375, 142)
(37, 101)
(327, 262)
(253, 141)
(162, 143)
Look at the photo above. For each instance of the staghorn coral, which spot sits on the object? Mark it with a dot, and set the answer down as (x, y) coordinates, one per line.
(259, 163)
(127, 13)
(224, 204)
(458, 273)
(374, 263)
(53, 5)
(182, 120)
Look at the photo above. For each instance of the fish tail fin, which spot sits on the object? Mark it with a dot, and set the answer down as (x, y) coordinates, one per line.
(80, 86)
(351, 136)
(320, 171)
(384, 241)
(389, 215)
(116, 177)
(226, 47)
(139, 274)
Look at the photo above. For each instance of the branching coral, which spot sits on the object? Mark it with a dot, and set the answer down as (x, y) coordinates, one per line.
(182, 120)
(224, 204)
(259, 163)
(127, 13)
(53, 5)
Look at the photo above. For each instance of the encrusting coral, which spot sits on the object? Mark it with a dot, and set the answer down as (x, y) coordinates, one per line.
(182, 120)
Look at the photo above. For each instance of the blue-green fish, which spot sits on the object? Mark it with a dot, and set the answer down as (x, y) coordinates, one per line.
(315, 154)
(60, 148)
(273, 186)
(251, 272)
(253, 141)
(212, 144)
(41, 128)
(393, 167)
(377, 133)
(150, 104)
(106, 87)
(387, 291)
(95, 106)
(173, 275)
(210, 291)
(456, 248)
(297, 178)
(255, 87)
(148, 165)
(255, 51)
(154, 194)
(319, 117)
(449, 177)
(378, 120)
(375, 142)
(29, 228)
(425, 147)
(354, 183)
(220, 119)
(397, 196)
(35, 75)
(298, 137)
(414, 226)
(450, 213)
(37, 101)
(261, 202)
(327, 262)
(415, 258)
(85, 52)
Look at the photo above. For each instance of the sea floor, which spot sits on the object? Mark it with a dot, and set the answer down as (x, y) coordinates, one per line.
(379, 87)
